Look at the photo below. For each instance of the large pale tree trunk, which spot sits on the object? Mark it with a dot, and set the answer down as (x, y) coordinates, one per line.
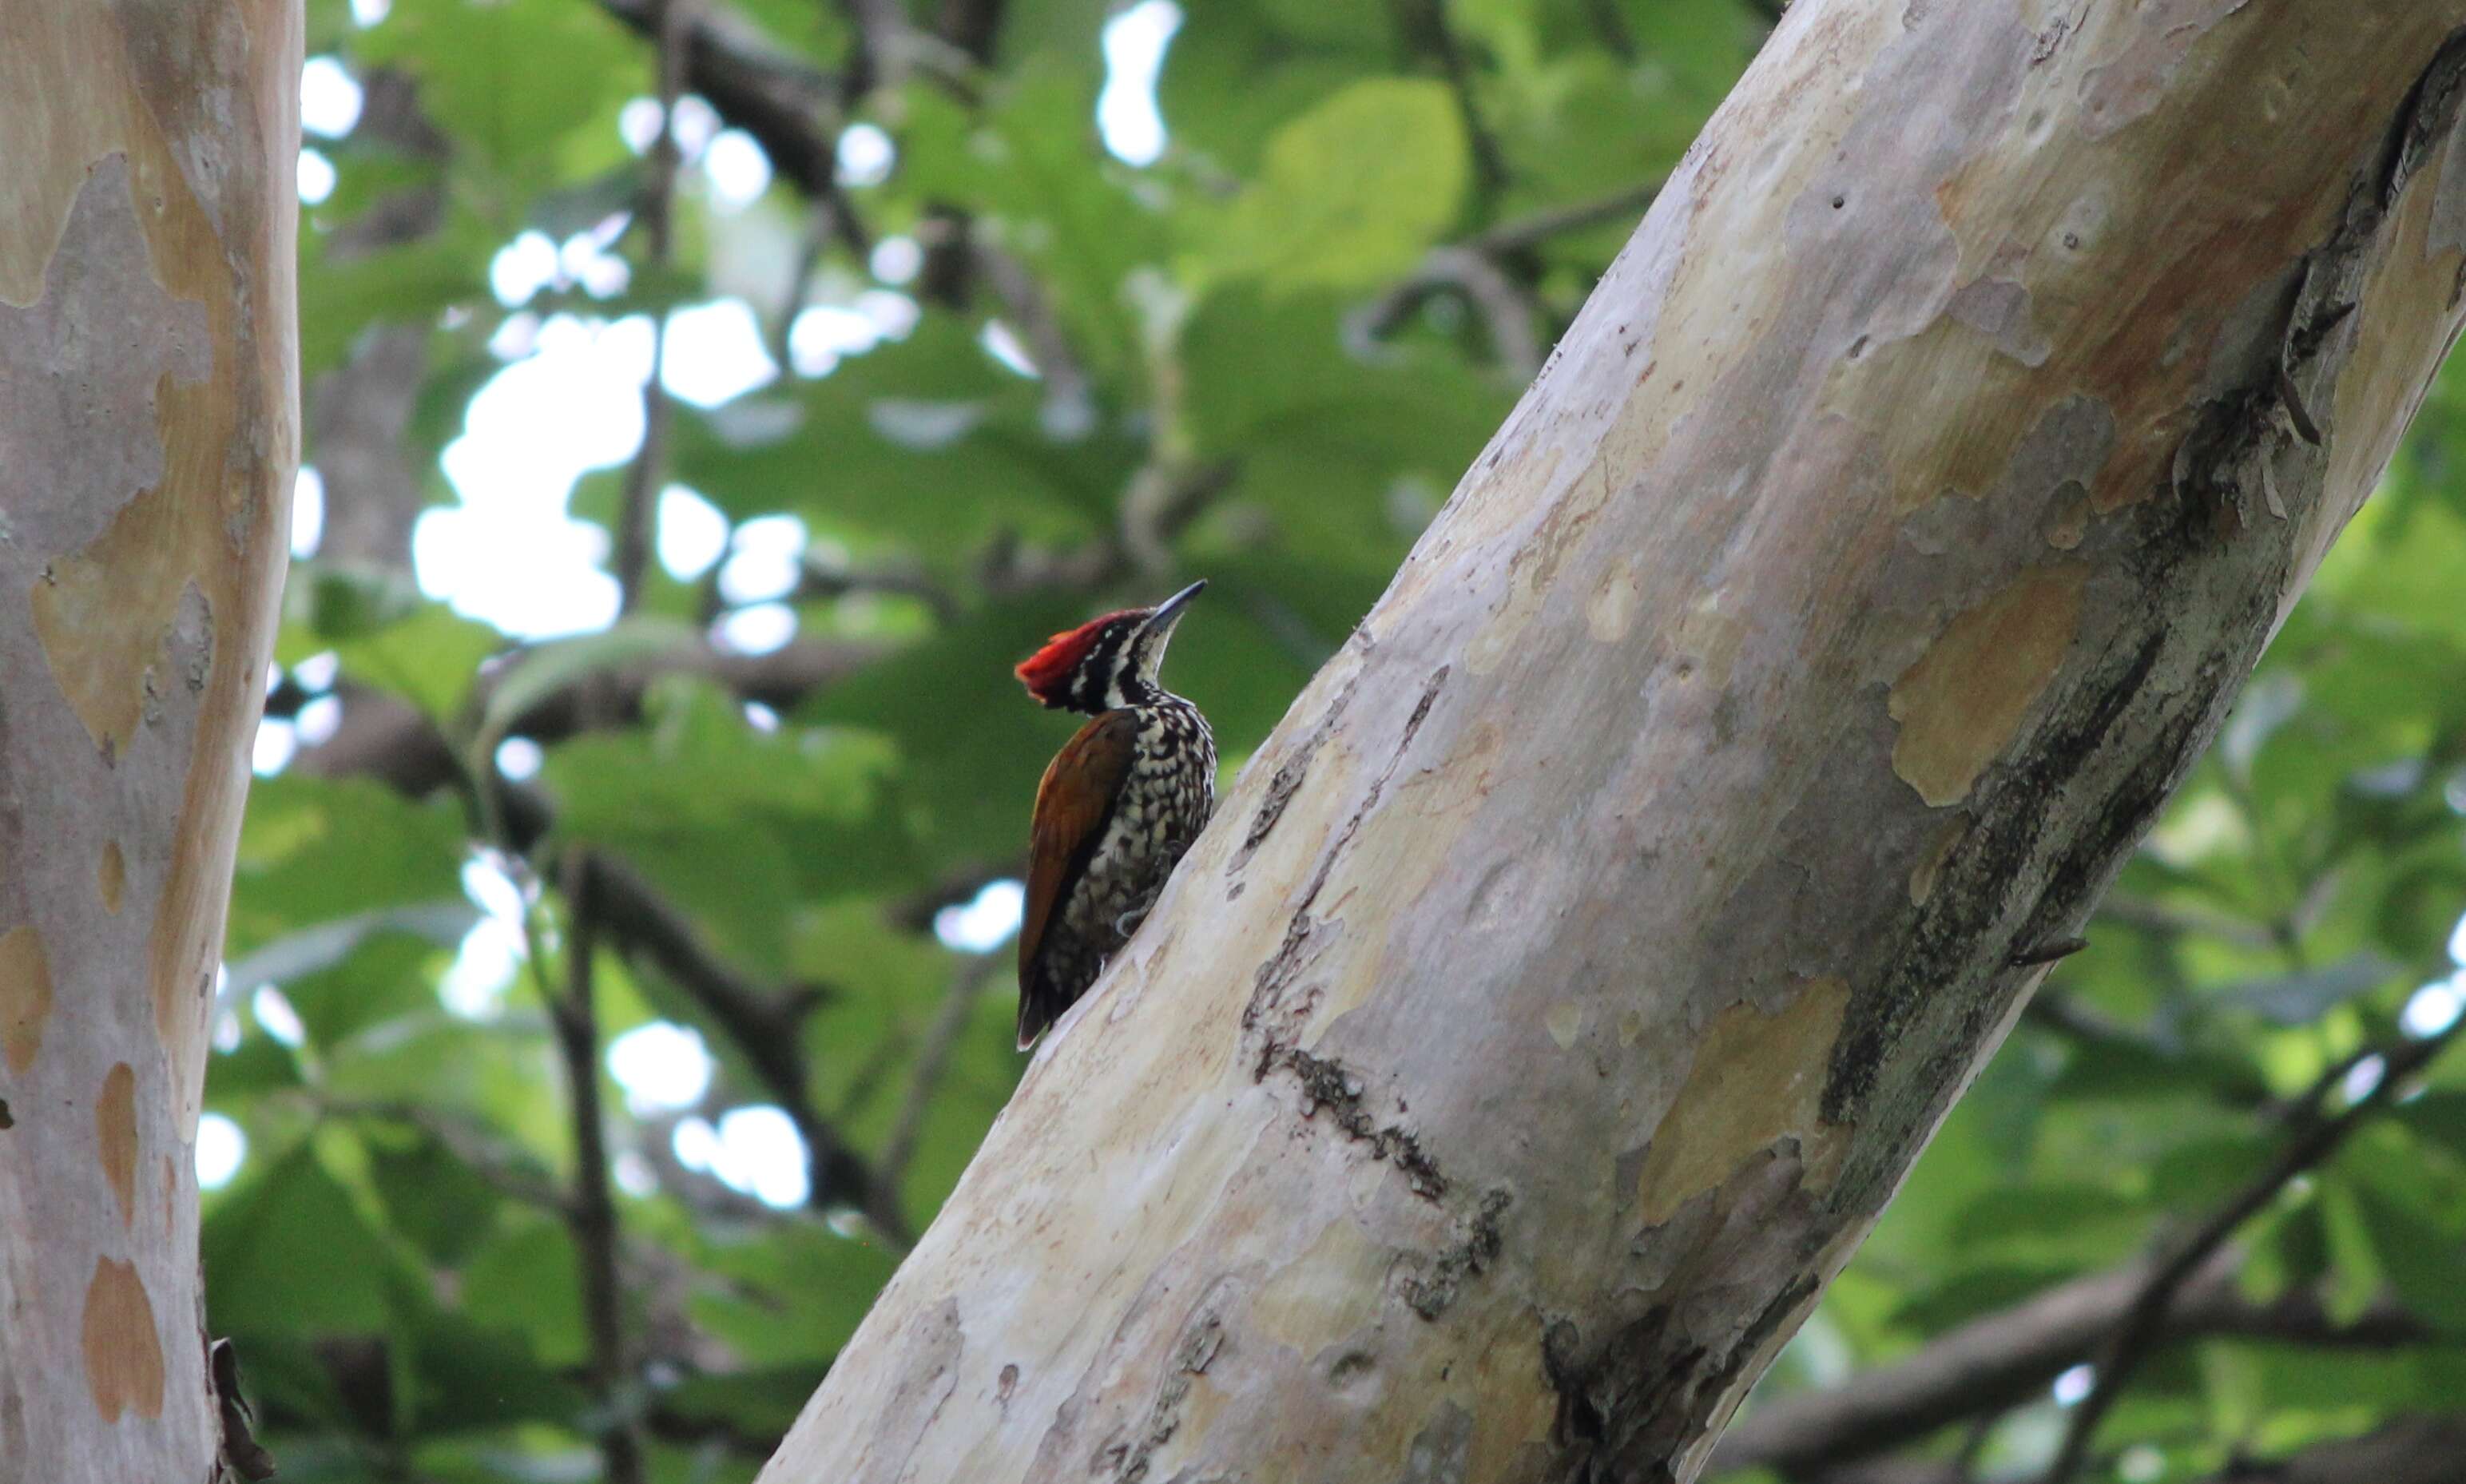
(1576, 972)
(148, 437)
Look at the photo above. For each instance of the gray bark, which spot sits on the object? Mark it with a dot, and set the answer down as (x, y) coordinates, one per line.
(1572, 977)
(149, 434)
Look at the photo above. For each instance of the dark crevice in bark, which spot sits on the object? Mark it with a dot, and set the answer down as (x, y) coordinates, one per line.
(1633, 1399)
(1430, 1292)
(2210, 554)
(1327, 1086)
(1288, 778)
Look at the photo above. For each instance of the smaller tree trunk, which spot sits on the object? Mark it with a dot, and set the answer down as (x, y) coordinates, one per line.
(149, 434)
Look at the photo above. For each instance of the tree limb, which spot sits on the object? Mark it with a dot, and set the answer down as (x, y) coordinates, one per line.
(590, 1213)
(2000, 1360)
(764, 1029)
(632, 560)
(957, 1004)
(2144, 1321)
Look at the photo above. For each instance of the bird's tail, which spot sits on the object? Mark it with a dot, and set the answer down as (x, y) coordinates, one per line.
(1041, 1002)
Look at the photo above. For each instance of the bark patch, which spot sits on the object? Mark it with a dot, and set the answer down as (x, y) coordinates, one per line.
(111, 877)
(25, 996)
(124, 1355)
(1730, 1109)
(1961, 704)
(115, 1129)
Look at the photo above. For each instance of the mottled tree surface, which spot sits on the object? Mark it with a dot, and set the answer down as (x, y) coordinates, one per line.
(1574, 976)
(148, 431)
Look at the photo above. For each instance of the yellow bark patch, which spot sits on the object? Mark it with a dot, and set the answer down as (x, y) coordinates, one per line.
(25, 996)
(115, 1128)
(1960, 704)
(1535, 567)
(1327, 1292)
(124, 1355)
(112, 876)
(1611, 609)
(103, 615)
(1757, 1078)
(1511, 1400)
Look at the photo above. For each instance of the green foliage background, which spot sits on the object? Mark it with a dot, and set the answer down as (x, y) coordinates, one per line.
(1235, 386)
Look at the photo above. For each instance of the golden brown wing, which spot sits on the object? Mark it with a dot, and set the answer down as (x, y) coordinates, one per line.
(1072, 805)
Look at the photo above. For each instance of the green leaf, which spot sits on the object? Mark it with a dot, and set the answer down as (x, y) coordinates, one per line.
(288, 1253)
(315, 949)
(428, 659)
(545, 669)
(2355, 1272)
(1351, 193)
(339, 858)
(2425, 1261)
(517, 82)
(524, 1280)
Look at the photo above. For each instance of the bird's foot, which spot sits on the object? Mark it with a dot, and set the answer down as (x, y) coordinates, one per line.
(1129, 922)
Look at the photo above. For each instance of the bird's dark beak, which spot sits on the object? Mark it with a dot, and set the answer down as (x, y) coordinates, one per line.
(1168, 612)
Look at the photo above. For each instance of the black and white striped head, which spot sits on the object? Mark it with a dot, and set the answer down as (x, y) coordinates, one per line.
(1106, 663)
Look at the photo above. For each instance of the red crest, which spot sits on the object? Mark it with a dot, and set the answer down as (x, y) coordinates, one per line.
(1047, 673)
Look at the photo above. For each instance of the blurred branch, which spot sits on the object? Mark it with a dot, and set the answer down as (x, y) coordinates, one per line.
(1525, 233)
(592, 1211)
(1505, 311)
(1069, 402)
(972, 27)
(957, 1004)
(763, 1025)
(358, 414)
(2166, 918)
(1422, 24)
(916, 912)
(384, 738)
(2003, 1358)
(902, 579)
(1160, 503)
(794, 112)
(2144, 1322)
(632, 562)
(879, 56)
(505, 1167)
(2057, 1011)
(1611, 26)
(2409, 1451)
(1471, 269)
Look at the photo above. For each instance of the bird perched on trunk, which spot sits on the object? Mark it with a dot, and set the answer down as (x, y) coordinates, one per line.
(1119, 805)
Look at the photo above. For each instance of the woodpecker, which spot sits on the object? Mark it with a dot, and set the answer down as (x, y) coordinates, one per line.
(1118, 805)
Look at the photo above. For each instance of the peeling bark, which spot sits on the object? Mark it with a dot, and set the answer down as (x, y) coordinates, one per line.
(149, 434)
(1574, 976)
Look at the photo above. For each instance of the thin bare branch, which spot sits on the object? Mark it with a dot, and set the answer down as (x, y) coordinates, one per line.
(590, 1213)
(643, 477)
(957, 1004)
(762, 1024)
(2003, 1358)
